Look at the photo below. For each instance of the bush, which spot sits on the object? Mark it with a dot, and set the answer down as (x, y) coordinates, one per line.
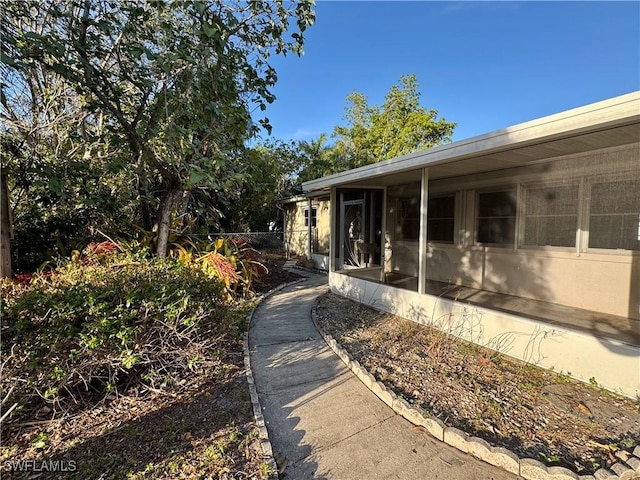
(94, 328)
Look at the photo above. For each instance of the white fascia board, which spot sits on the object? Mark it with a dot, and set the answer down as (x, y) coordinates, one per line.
(303, 198)
(593, 117)
(295, 199)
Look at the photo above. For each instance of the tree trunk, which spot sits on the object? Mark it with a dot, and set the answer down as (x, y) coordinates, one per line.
(5, 229)
(164, 224)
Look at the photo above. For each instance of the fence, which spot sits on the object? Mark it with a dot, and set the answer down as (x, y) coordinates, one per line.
(262, 241)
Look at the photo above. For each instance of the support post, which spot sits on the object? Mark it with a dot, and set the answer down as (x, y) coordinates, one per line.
(309, 229)
(333, 231)
(423, 243)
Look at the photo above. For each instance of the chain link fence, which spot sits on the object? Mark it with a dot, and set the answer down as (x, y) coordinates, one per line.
(261, 241)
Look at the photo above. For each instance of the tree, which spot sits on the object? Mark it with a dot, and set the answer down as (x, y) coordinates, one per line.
(269, 174)
(398, 127)
(176, 81)
(319, 159)
(58, 170)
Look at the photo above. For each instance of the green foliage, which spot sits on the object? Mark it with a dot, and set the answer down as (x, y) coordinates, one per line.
(549, 459)
(375, 133)
(231, 261)
(40, 440)
(269, 174)
(100, 327)
(175, 82)
(266, 471)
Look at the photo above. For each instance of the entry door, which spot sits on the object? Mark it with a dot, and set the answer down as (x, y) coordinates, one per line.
(352, 232)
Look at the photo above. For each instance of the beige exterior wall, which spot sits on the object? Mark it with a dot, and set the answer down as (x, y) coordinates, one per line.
(297, 233)
(323, 226)
(605, 281)
(613, 364)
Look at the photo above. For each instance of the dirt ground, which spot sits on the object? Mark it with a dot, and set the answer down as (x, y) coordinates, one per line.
(202, 427)
(533, 412)
(276, 274)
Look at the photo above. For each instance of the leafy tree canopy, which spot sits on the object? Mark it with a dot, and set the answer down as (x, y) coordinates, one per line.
(399, 126)
(175, 83)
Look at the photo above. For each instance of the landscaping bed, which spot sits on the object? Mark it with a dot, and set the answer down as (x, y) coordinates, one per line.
(128, 368)
(533, 412)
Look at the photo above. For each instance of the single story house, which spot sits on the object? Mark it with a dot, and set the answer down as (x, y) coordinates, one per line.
(525, 240)
(306, 228)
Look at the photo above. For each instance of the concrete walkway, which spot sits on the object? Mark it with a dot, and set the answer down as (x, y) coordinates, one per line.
(324, 423)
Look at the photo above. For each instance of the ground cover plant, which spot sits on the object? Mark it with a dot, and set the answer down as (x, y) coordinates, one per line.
(533, 412)
(127, 366)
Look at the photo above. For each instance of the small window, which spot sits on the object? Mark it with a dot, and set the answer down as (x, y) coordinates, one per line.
(497, 217)
(441, 216)
(314, 212)
(614, 217)
(551, 216)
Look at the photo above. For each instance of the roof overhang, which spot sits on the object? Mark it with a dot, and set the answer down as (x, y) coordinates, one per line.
(609, 123)
(302, 198)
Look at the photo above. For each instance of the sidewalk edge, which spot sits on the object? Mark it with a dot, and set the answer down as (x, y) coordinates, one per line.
(263, 434)
(526, 468)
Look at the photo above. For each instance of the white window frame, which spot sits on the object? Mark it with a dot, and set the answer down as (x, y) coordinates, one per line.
(507, 187)
(589, 181)
(314, 216)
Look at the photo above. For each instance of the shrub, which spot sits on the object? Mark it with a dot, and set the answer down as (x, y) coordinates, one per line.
(111, 324)
(231, 260)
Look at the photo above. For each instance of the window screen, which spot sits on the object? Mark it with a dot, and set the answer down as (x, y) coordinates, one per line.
(441, 216)
(409, 217)
(551, 216)
(404, 211)
(497, 217)
(614, 215)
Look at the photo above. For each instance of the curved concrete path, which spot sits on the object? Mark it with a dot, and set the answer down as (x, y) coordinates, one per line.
(323, 422)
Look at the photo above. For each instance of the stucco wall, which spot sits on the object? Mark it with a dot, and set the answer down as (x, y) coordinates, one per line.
(323, 224)
(603, 281)
(297, 234)
(611, 363)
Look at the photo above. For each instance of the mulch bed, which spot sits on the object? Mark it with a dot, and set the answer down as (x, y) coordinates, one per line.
(533, 412)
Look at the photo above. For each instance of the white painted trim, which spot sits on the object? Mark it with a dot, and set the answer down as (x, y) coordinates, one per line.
(309, 227)
(422, 236)
(616, 111)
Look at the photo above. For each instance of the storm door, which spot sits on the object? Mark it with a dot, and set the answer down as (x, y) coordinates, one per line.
(352, 233)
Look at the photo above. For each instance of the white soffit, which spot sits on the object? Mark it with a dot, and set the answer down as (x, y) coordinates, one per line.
(563, 132)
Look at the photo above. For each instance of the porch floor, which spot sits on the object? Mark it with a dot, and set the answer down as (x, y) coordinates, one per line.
(623, 329)
(598, 324)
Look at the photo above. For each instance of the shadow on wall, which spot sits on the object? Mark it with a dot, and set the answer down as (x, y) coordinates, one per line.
(296, 233)
(459, 319)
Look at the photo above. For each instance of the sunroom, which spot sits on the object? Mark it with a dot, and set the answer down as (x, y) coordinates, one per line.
(525, 240)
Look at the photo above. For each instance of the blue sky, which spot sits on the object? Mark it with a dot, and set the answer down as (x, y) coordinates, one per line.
(484, 65)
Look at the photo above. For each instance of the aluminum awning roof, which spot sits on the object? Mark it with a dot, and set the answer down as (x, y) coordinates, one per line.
(609, 123)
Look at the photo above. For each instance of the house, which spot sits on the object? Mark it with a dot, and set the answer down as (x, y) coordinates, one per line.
(306, 228)
(525, 240)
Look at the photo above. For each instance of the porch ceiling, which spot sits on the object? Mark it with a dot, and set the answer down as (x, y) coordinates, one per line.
(605, 124)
